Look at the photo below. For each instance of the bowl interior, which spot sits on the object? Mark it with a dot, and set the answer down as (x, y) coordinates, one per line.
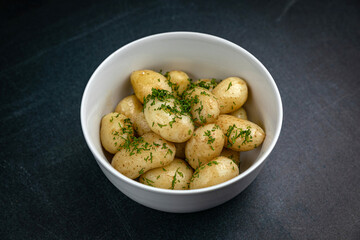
(199, 55)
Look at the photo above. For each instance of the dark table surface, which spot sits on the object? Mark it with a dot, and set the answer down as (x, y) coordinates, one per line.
(50, 184)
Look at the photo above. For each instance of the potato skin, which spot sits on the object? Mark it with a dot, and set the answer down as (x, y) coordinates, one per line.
(180, 80)
(206, 143)
(231, 154)
(175, 176)
(240, 135)
(145, 153)
(240, 113)
(206, 83)
(114, 128)
(166, 124)
(231, 94)
(129, 106)
(132, 108)
(143, 81)
(219, 170)
(205, 108)
(140, 124)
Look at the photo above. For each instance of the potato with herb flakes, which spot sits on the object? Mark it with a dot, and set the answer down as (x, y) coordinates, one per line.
(233, 155)
(179, 81)
(143, 81)
(114, 129)
(219, 170)
(241, 135)
(206, 143)
(175, 176)
(143, 154)
(132, 108)
(204, 106)
(240, 113)
(206, 83)
(231, 94)
(166, 117)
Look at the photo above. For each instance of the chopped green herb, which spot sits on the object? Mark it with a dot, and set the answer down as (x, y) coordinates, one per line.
(230, 84)
(168, 152)
(148, 181)
(161, 125)
(174, 179)
(233, 133)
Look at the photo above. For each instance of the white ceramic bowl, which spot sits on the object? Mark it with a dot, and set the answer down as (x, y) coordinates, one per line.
(201, 56)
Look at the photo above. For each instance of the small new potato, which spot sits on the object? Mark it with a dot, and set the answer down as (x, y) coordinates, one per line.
(241, 135)
(206, 143)
(205, 108)
(129, 106)
(175, 176)
(169, 124)
(143, 81)
(143, 154)
(231, 94)
(180, 80)
(206, 83)
(140, 124)
(240, 113)
(114, 129)
(233, 155)
(132, 108)
(217, 171)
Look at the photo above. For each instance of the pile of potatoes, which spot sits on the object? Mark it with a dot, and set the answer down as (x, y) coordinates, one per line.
(177, 134)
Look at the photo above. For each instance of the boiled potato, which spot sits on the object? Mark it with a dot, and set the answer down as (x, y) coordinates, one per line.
(206, 83)
(180, 150)
(240, 113)
(143, 81)
(174, 176)
(129, 106)
(140, 124)
(231, 94)
(233, 155)
(165, 118)
(217, 171)
(179, 80)
(205, 108)
(144, 153)
(240, 134)
(114, 129)
(206, 143)
(132, 108)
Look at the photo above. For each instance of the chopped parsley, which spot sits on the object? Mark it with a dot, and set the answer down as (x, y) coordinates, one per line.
(148, 181)
(162, 125)
(174, 178)
(206, 84)
(230, 84)
(233, 133)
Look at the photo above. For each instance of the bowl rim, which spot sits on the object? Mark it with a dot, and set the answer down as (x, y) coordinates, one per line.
(171, 35)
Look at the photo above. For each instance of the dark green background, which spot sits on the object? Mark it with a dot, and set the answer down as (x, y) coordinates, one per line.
(52, 188)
